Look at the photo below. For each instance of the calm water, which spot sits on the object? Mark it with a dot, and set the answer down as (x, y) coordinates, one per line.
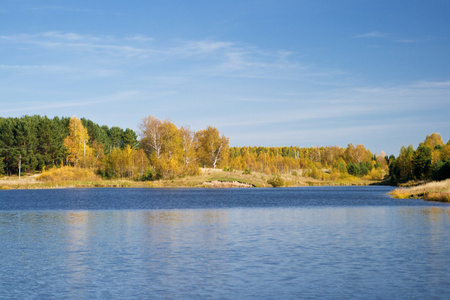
(294, 243)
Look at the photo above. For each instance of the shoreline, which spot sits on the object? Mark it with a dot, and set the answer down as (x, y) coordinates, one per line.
(431, 191)
(436, 191)
(156, 184)
(209, 179)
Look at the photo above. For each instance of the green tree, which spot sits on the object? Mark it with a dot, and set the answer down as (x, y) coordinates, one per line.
(422, 162)
(441, 170)
(402, 169)
(353, 169)
(130, 138)
(8, 147)
(115, 136)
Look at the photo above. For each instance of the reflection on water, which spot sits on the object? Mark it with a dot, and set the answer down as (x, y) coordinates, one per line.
(301, 251)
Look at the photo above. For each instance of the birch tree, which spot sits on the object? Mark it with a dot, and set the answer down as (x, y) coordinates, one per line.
(77, 143)
(211, 147)
(151, 135)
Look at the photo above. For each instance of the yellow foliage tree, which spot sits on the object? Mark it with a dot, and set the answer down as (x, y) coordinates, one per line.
(212, 148)
(76, 143)
(171, 150)
(127, 162)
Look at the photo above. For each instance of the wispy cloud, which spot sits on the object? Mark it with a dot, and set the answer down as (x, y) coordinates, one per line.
(431, 84)
(32, 109)
(59, 69)
(372, 34)
(69, 36)
(140, 38)
(205, 46)
(70, 9)
(79, 43)
(384, 36)
(211, 57)
(39, 68)
(340, 135)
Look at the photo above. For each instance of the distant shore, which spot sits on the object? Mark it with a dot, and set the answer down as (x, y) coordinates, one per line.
(209, 178)
(216, 178)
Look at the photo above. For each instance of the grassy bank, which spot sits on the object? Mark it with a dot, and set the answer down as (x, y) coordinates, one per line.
(432, 191)
(78, 179)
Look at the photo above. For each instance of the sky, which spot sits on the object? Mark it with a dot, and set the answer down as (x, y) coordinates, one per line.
(265, 73)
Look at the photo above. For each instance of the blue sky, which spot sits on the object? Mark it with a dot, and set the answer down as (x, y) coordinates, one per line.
(265, 73)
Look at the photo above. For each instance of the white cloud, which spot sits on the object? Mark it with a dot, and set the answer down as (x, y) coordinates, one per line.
(372, 34)
(38, 68)
(205, 46)
(65, 36)
(32, 108)
(384, 36)
(42, 70)
(71, 9)
(431, 84)
(140, 38)
(204, 57)
(79, 43)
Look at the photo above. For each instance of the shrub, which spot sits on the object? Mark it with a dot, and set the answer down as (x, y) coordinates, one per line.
(315, 173)
(353, 169)
(246, 172)
(440, 197)
(276, 181)
(401, 194)
(147, 176)
(68, 173)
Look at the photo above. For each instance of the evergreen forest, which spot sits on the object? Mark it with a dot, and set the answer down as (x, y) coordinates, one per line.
(33, 144)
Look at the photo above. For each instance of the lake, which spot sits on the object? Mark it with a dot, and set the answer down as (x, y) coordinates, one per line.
(289, 243)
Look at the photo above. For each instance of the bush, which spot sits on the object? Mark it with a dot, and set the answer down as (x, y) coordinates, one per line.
(68, 173)
(353, 169)
(147, 176)
(246, 172)
(276, 181)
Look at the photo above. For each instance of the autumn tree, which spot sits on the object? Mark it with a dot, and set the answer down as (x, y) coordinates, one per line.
(171, 150)
(151, 135)
(211, 147)
(170, 162)
(434, 140)
(125, 163)
(77, 144)
(189, 157)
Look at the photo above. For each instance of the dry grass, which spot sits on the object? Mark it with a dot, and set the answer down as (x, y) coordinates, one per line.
(440, 197)
(432, 191)
(257, 179)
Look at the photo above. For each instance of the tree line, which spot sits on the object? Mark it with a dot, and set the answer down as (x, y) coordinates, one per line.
(39, 142)
(325, 163)
(162, 151)
(429, 161)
